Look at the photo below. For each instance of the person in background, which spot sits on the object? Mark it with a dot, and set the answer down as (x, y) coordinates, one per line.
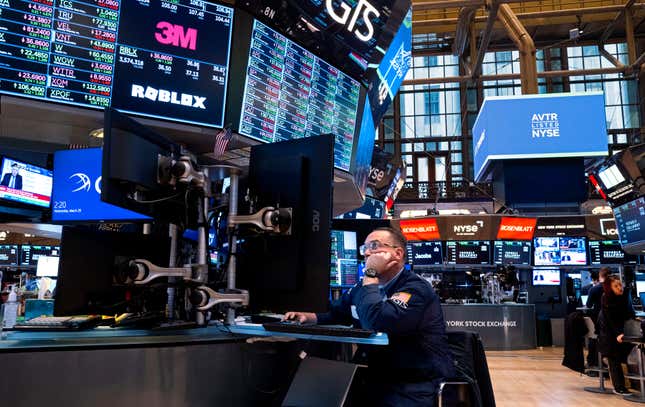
(616, 310)
(594, 303)
(390, 299)
(594, 282)
(12, 179)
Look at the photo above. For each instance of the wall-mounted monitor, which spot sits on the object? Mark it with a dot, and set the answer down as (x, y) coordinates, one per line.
(609, 252)
(155, 58)
(422, 254)
(630, 222)
(77, 189)
(468, 252)
(29, 254)
(546, 276)
(21, 182)
(343, 261)
(289, 93)
(555, 251)
(9, 254)
(512, 252)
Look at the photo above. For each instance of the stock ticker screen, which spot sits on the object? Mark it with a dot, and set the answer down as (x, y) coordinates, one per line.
(289, 93)
(166, 59)
(468, 252)
(344, 263)
(512, 252)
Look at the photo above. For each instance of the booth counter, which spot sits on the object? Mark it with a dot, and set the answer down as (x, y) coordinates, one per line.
(108, 367)
(501, 327)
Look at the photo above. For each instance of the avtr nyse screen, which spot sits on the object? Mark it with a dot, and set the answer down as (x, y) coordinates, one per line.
(166, 59)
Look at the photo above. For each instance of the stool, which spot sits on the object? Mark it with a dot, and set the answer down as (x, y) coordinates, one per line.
(638, 398)
(591, 334)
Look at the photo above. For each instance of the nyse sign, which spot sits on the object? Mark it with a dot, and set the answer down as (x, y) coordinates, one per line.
(348, 17)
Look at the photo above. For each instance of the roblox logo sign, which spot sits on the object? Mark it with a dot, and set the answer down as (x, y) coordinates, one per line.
(420, 229)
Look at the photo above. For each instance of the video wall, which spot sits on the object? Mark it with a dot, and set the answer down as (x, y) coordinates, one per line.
(163, 59)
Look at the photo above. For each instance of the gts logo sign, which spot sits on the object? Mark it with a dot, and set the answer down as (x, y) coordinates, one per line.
(348, 17)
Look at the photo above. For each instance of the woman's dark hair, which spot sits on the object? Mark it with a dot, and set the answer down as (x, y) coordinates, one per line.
(606, 285)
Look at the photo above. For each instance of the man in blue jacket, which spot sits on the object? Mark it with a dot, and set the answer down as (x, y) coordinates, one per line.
(398, 302)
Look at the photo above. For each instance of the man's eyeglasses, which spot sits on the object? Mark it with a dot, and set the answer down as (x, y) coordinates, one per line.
(373, 245)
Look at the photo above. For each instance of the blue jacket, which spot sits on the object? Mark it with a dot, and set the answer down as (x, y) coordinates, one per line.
(410, 313)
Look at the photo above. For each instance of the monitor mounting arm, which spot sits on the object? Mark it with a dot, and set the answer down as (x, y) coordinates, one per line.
(141, 271)
(204, 298)
(268, 219)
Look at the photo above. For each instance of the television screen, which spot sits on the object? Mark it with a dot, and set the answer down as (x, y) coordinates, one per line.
(289, 93)
(630, 222)
(554, 251)
(512, 252)
(371, 209)
(422, 254)
(47, 266)
(77, 189)
(9, 255)
(609, 252)
(25, 183)
(29, 254)
(468, 252)
(154, 58)
(548, 276)
(344, 263)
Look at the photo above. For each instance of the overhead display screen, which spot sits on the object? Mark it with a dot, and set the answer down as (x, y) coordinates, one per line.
(630, 221)
(29, 254)
(289, 93)
(25, 183)
(166, 59)
(468, 252)
(554, 251)
(8, 255)
(509, 252)
(424, 253)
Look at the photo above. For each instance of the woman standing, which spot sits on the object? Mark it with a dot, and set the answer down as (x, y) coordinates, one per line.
(616, 310)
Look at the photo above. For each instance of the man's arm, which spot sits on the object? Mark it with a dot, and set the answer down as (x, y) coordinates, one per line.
(340, 312)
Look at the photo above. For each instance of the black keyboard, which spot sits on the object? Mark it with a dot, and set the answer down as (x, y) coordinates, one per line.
(326, 330)
(58, 323)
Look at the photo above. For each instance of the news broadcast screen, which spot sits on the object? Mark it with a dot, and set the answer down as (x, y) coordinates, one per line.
(555, 251)
(25, 183)
(546, 276)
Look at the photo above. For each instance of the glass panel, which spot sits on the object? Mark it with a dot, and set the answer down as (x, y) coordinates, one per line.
(452, 70)
(422, 126)
(407, 104)
(388, 129)
(421, 103)
(453, 102)
(455, 145)
(592, 63)
(406, 147)
(438, 126)
(611, 48)
(456, 169)
(440, 168)
(631, 116)
(621, 138)
(407, 127)
(436, 72)
(612, 93)
(418, 147)
(444, 146)
(455, 157)
(389, 147)
(614, 117)
(431, 146)
(422, 169)
(453, 123)
(575, 63)
(629, 92)
(590, 50)
(574, 51)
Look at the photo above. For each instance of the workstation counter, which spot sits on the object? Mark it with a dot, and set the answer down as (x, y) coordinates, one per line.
(501, 326)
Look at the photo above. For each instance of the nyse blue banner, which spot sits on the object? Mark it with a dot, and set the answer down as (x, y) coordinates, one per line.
(392, 69)
(77, 189)
(539, 126)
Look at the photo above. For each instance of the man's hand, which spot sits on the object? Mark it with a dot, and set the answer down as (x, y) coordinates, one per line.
(619, 338)
(380, 262)
(302, 317)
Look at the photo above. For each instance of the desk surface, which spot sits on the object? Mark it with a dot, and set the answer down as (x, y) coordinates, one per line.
(379, 338)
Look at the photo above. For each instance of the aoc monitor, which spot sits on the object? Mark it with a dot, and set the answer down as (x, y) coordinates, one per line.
(421, 254)
(24, 183)
(284, 272)
(344, 260)
(468, 252)
(512, 252)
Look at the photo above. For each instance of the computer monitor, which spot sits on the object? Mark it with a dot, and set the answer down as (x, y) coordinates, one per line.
(546, 276)
(25, 183)
(630, 222)
(344, 260)
(422, 254)
(29, 254)
(286, 272)
(47, 266)
(9, 255)
(88, 265)
(512, 252)
(609, 252)
(130, 169)
(468, 252)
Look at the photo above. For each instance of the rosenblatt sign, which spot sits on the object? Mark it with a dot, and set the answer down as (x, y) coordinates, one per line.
(516, 228)
(420, 229)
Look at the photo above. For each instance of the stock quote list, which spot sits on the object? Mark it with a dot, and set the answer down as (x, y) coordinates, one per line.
(290, 93)
(100, 53)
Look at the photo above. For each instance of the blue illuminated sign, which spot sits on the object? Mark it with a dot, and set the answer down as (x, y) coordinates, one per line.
(77, 189)
(539, 126)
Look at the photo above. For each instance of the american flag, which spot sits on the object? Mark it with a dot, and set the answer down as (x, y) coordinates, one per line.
(221, 141)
